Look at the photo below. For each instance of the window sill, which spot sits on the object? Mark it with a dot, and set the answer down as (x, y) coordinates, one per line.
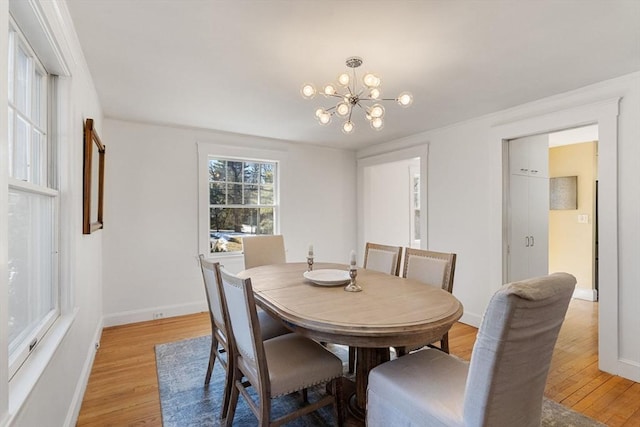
(25, 379)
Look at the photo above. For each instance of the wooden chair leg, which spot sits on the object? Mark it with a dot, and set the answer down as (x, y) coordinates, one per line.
(305, 395)
(212, 360)
(233, 401)
(228, 386)
(352, 359)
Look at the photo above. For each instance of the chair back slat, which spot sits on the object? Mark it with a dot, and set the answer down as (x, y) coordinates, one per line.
(513, 350)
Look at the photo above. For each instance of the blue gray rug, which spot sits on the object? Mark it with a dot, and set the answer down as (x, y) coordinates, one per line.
(186, 402)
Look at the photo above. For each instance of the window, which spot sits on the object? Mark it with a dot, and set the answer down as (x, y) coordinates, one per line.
(416, 206)
(242, 201)
(33, 204)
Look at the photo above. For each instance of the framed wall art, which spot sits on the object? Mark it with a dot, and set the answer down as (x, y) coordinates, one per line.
(93, 182)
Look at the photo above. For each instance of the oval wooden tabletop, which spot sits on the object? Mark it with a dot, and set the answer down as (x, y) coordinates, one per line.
(390, 310)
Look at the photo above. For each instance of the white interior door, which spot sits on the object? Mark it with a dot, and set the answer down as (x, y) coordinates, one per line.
(519, 229)
(538, 226)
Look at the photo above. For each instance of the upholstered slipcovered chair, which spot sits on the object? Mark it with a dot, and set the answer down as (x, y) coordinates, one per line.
(275, 367)
(269, 328)
(503, 385)
(263, 250)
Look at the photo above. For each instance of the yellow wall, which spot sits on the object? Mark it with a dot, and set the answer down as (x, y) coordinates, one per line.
(571, 247)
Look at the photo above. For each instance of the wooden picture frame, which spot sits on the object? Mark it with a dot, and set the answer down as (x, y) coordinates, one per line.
(93, 182)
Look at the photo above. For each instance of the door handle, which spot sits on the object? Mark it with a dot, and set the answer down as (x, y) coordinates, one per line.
(533, 242)
(527, 240)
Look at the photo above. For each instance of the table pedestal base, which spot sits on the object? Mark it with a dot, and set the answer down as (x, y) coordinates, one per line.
(366, 360)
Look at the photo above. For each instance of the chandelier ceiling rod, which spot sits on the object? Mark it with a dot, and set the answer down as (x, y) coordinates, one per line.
(352, 97)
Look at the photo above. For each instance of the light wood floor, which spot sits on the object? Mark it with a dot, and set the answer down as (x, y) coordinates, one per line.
(123, 388)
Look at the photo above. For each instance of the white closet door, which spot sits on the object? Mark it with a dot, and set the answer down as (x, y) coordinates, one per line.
(538, 226)
(519, 230)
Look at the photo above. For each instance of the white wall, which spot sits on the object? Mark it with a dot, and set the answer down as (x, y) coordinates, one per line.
(151, 213)
(464, 200)
(60, 377)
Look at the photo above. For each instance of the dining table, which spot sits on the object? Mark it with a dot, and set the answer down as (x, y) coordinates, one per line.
(390, 311)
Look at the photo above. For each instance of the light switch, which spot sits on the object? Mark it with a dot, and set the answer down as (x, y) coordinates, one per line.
(583, 219)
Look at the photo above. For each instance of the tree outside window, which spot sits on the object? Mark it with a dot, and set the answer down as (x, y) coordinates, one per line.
(242, 201)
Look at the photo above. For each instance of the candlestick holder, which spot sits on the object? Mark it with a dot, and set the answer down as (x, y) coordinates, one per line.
(353, 286)
(310, 263)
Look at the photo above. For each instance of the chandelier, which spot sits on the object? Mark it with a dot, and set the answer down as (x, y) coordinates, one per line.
(350, 95)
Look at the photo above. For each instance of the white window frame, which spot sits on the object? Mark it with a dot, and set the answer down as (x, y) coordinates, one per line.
(38, 21)
(243, 205)
(414, 173)
(46, 188)
(240, 152)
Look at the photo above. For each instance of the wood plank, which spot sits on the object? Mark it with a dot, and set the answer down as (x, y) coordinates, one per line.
(123, 388)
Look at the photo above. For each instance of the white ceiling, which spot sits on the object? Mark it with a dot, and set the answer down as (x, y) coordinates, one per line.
(574, 136)
(238, 65)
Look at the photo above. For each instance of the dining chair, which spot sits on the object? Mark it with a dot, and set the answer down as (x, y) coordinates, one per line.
(269, 328)
(275, 367)
(503, 385)
(263, 250)
(432, 268)
(382, 258)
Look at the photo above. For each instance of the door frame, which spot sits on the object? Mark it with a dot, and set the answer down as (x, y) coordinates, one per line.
(605, 115)
(420, 151)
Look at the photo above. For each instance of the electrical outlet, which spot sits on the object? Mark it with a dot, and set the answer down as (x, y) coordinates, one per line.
(158, 315)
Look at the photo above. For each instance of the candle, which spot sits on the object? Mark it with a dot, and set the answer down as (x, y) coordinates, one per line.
(353, 257)
(310, 251)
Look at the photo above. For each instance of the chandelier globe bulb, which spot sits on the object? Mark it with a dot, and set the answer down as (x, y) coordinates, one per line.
(343, 79)
(376, 111)
(347, 127)
(324, 118)
(405, 99)
(342, 109)
(308, 91)
(370, 80)
(375, 93)
(329, 90)
(377, 123)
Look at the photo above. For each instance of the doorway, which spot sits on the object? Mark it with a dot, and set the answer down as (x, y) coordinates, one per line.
(392, 198)
(552, 207)
(392, 203)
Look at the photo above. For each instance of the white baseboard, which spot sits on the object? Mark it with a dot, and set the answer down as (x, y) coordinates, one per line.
(585, 294)
(471, 319)
(81, 386)
(154, 313)
(629, 369)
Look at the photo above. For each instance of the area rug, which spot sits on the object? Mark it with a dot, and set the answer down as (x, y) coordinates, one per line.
(186, 402)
